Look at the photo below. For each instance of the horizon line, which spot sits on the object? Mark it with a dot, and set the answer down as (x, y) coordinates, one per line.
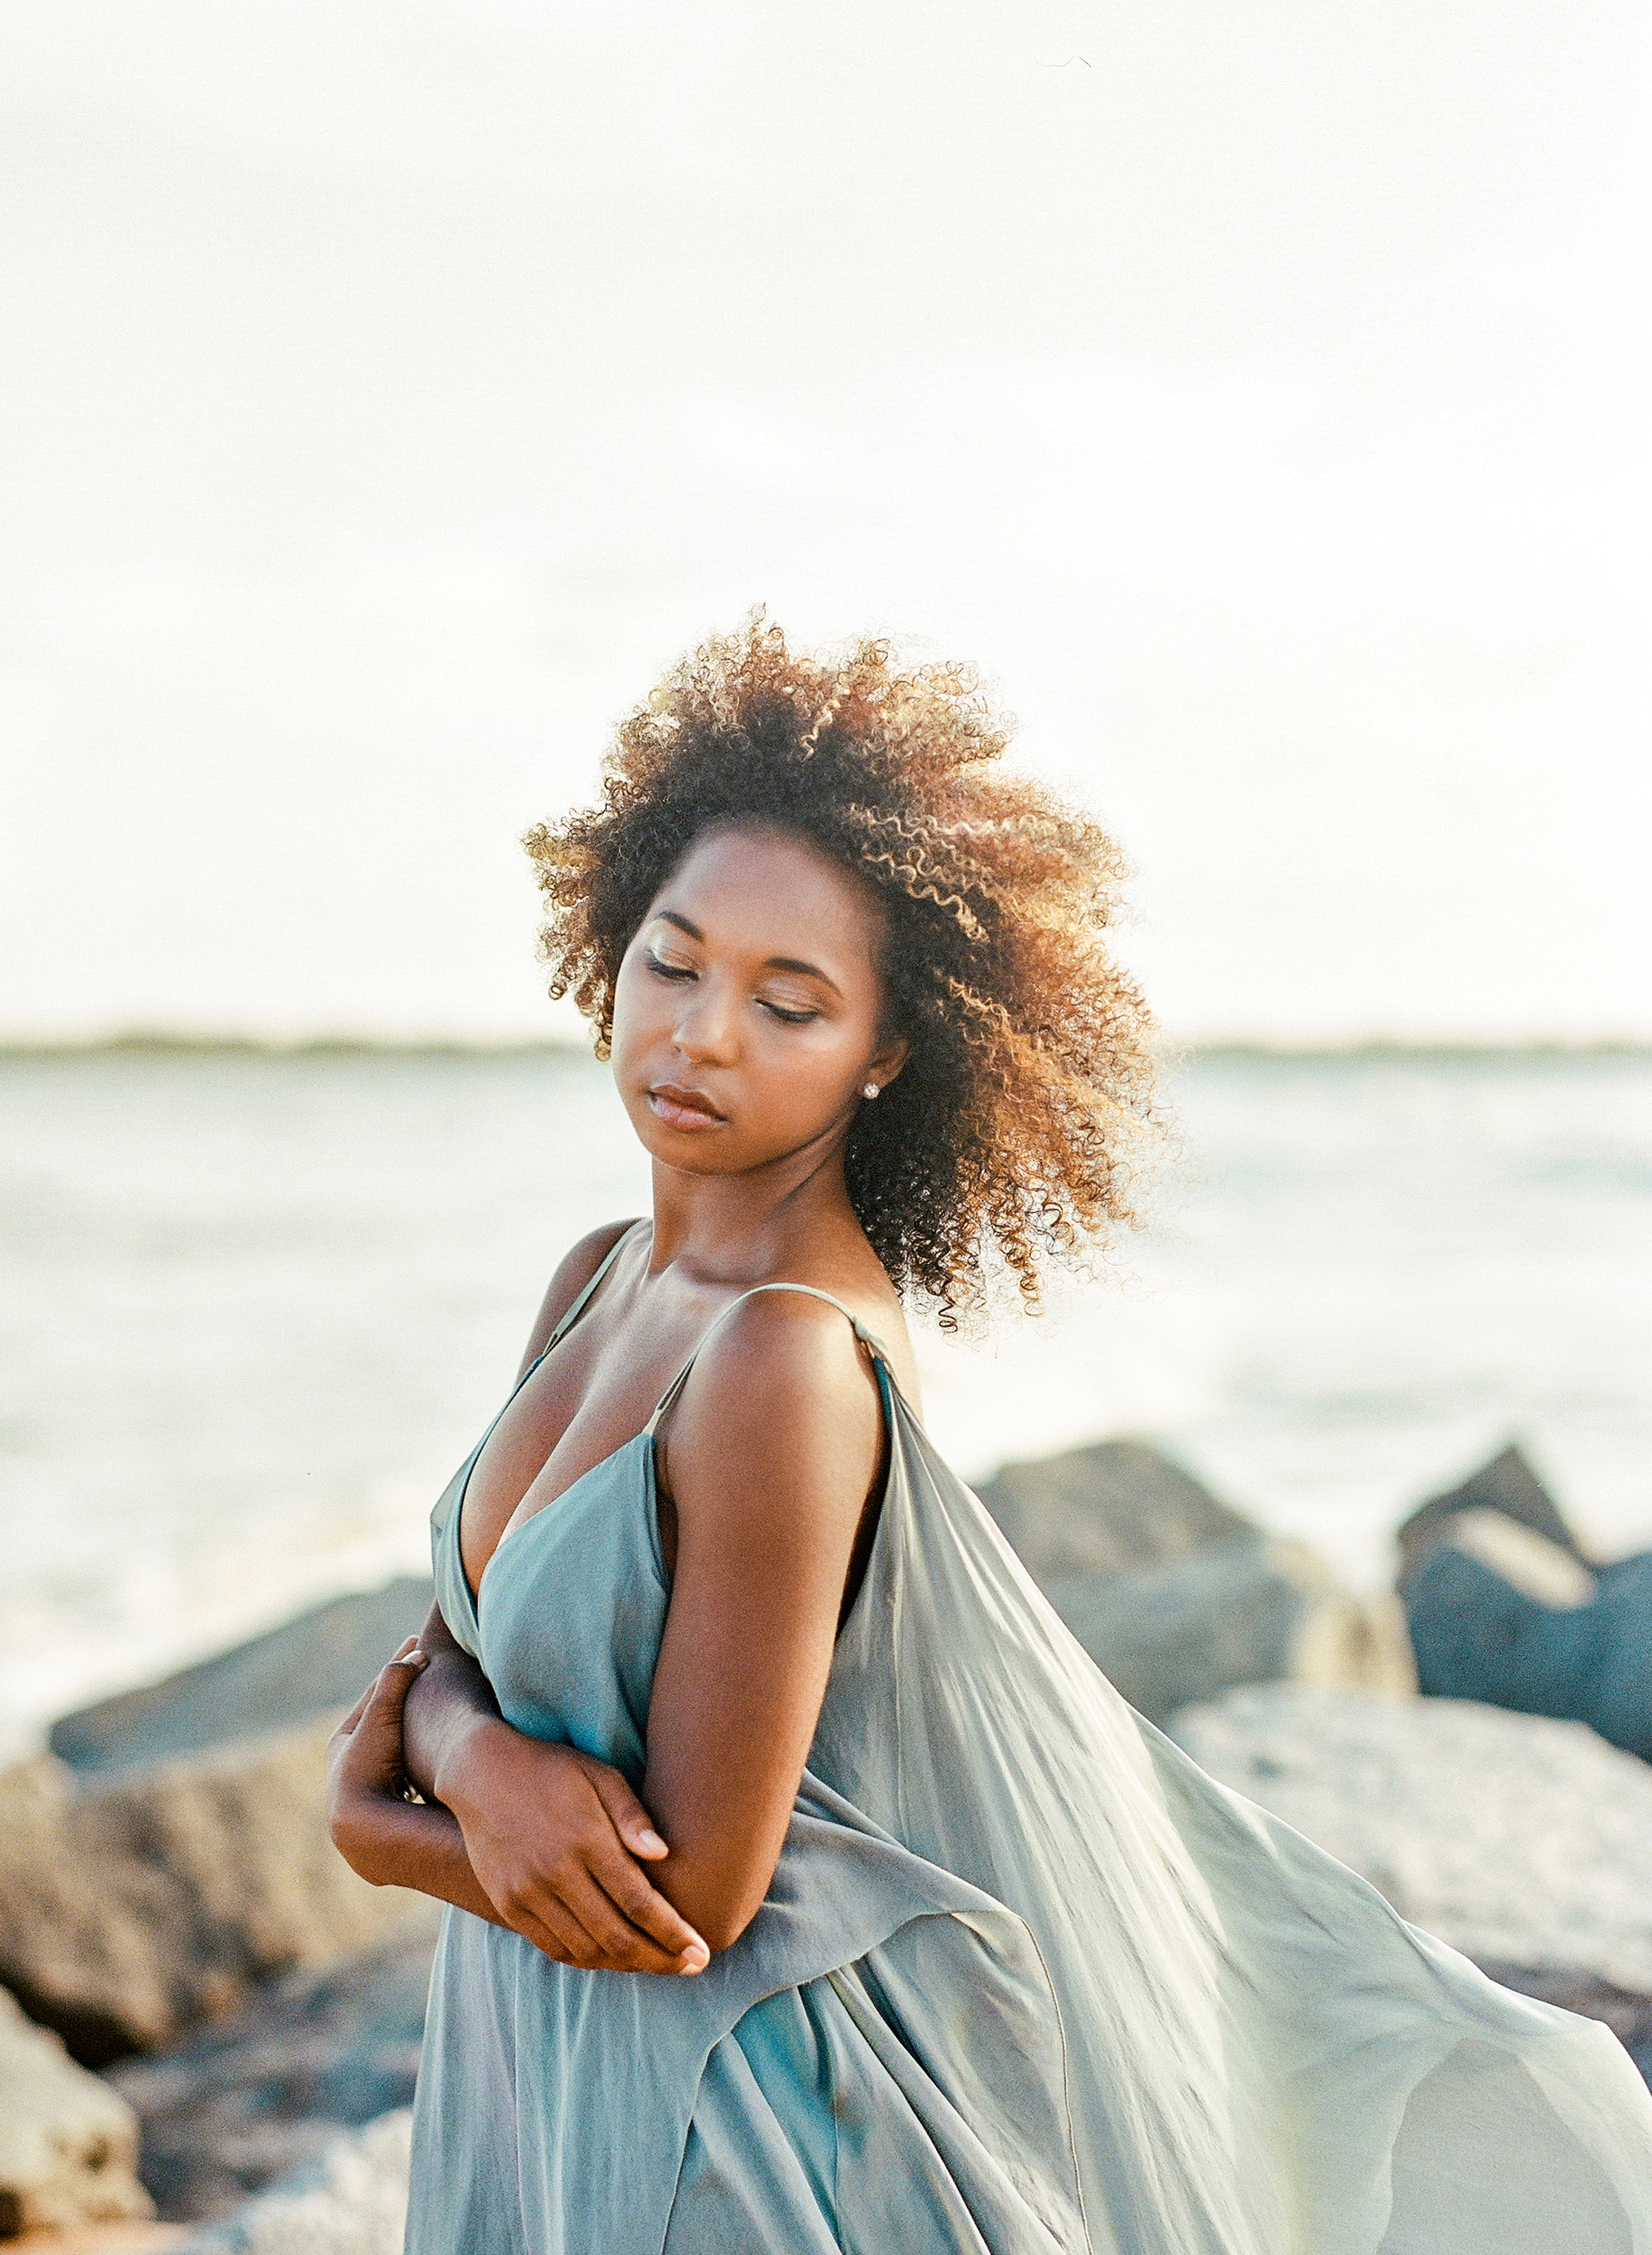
(165, 1041)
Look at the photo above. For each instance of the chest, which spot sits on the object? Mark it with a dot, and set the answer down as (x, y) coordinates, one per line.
(567, 1619)
(575, 1410)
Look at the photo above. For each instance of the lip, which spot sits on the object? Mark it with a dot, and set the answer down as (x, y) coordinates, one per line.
(686, 1109)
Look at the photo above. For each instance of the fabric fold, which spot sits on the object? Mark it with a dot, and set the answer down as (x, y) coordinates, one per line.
(1026, 1981)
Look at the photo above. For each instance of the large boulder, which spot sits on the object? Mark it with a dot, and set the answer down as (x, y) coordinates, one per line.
(1507, 1485)
(314, 1665)
(1114, 1508)
(1502, 1605)
(68, 2145)
(1174, 1594)
(351, 2200)
(135, 1903)
(1245, 1612)
(246, 2101)
(1524, 1843)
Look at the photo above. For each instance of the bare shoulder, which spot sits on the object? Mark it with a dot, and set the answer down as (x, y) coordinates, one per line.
(819, 1302)
(573, 1273)
(781, 1411)
(788, 1344)
(581, 1260)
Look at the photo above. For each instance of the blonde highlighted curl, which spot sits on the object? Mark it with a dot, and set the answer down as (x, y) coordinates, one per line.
(1019, 1120)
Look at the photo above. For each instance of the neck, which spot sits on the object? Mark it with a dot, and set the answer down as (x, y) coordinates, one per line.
(739, 1229)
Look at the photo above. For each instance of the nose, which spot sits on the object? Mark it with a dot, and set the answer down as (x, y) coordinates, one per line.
(708, 1030)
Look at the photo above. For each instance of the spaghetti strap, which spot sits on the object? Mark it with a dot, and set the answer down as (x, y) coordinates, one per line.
(576, 1306)
(874, 1346)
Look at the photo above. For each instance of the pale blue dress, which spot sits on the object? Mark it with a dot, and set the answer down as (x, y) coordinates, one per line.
(1026, 1981)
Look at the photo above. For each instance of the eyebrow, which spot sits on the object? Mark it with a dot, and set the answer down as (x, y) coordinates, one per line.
(774, 963)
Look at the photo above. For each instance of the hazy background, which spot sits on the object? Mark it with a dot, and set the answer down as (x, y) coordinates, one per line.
(1256, 390)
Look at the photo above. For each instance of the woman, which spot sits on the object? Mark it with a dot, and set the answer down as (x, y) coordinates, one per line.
(811, 1889)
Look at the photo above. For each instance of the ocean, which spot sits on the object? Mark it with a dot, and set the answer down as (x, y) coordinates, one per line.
(255, 1307)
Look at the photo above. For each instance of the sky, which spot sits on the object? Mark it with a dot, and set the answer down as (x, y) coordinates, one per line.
(1254, 388)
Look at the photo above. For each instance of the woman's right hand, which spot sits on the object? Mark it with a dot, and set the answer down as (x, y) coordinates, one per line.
(557, 1841)
(364, 1773)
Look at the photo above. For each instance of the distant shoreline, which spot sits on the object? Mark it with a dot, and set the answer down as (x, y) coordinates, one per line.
(259, 1045)
(143, 1043)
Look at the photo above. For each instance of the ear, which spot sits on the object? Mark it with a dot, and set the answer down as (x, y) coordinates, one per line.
(887, 1063)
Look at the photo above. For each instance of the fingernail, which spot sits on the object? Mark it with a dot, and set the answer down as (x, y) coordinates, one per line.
(650, 1842)
(696, 1958)
(416, 1658)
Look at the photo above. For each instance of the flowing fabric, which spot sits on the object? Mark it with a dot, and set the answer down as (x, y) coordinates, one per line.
(1026, 1982)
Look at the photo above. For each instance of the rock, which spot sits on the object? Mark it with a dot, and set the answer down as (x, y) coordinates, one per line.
(1114, 1508)
(1245, 1611)
(1175, 1595)
(68, 2146)
(1478, 1635)
(189, 1858)
(1524, 1843)
(317, 1664)
(238, 2104)
(1507, 1485)
(352, 2200)
(128, 2239)
(1502, 1606)
(156, 1896)
(1529, 1562)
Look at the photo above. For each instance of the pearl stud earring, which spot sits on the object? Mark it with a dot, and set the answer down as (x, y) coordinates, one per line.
(871, 1089)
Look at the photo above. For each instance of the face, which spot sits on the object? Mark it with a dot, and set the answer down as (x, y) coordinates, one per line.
(746, 1011)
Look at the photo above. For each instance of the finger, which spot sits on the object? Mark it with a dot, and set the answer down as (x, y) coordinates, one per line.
(630, 1820)
(394, 1680)
(605, 1941)
(643, 1905)
(552, 1917)
(405, 1650)
(576, 1909)
(625, 1947)
(373, 1729)
(544, 1937)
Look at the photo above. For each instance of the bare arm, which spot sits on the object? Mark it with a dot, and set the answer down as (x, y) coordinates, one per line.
(773, 1450)
(771, 1454)
(539, 1838)
(553, 1839)
(454, 1699)
(545, 1840)
(380, 1834)
(769, 1458)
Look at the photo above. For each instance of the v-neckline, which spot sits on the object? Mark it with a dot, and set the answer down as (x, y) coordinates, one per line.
(889, 1389)
(514, 1526)
(518, 1526)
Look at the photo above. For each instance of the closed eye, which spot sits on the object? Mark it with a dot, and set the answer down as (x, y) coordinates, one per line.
(679, 971)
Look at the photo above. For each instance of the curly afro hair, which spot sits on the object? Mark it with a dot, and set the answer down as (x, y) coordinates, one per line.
(1023, 1104)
